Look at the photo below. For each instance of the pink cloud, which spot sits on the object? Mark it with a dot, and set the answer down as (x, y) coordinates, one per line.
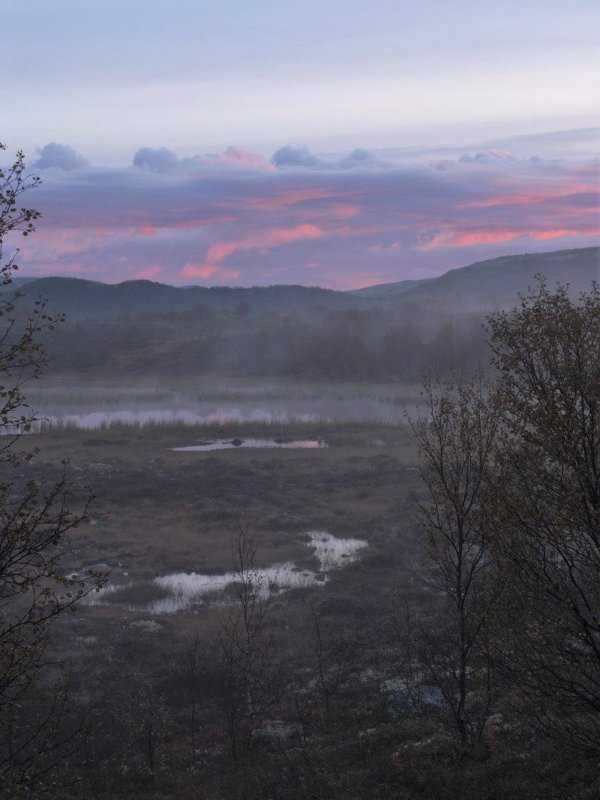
(558, 234)
(287, 198)
(343, 211)
(149, 273)
(151, 228)
(263, 241)
(469, 238)
(540, 195)
(244, 158)
(482, 237)
(146, 230)
(234, 157)
(200, 222)
(54, 242)
(208, 271)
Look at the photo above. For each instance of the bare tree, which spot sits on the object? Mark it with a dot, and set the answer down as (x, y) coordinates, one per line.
(456, 438)
(334, 659)
(21, 354)
(249, 673)
(34, 520)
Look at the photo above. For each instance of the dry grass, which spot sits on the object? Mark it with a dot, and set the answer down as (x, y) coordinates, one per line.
(158, 511)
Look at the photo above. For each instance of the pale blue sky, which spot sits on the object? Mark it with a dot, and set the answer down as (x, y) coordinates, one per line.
(108, 77)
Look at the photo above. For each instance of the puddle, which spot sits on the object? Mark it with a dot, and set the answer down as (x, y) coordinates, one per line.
(333, 553)
(184, 591)
(230, 444)
(189, 589)
(148, 625)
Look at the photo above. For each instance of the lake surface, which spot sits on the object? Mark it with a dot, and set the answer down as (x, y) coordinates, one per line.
(219, 402)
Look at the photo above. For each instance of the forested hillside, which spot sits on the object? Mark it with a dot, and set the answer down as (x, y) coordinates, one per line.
(293, 331)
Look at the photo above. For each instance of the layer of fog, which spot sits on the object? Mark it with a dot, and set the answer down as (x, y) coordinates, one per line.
(96, 407)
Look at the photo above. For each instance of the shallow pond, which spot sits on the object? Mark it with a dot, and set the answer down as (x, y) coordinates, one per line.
(185, 591)
(303, 444)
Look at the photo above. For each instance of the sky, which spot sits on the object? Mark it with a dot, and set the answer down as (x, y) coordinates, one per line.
(339, 143)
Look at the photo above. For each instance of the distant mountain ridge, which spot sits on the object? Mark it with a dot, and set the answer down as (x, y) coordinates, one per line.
(388, 290)
(84, 299)
(495, 283)
(484, 285)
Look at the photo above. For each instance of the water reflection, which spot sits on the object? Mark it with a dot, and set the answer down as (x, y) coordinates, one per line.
(333, 553)
(221, 403)
(231, 444)
(93, 420)
(187, 589)
(183, 591)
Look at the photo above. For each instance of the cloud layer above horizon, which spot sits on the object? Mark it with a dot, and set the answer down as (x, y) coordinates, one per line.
(342, 220)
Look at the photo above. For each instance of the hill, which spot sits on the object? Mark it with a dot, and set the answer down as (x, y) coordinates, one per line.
(481, 286)
(83, 299)
(494, 284)
(387, 290)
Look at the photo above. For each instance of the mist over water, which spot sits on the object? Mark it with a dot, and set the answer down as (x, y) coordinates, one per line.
(96, 407)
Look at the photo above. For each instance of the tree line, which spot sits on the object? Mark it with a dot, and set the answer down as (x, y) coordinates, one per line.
(353, 345)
